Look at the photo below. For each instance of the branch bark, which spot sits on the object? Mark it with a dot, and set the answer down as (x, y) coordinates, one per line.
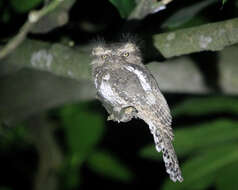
(212, 37)
(50, 155)
(180, 75)
(38, 90)
(177, 76)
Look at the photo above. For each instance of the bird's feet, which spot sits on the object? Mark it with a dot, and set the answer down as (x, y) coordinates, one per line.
(123, 114)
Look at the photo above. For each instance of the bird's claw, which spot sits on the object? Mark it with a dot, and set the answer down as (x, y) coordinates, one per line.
(123, 115)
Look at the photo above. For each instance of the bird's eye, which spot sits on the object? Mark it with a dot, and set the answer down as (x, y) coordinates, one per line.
(126, 54)
(104, 56)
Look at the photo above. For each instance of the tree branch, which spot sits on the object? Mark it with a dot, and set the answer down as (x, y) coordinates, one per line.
(212, 37)
(33, 17)
(45, 90)
(180, 75)
(54, 19)
(38, 91)
(50, 156)
(177, 75)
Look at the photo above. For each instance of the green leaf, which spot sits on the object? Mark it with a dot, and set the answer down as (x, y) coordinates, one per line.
(199, 138)
(107, 165)
(226, 177)
(207, 105)
(185, 14)
(223, 2)
(84, 129)
(124, 6)
(203, 168)
(204, 184)
(195, 21)
(72, 177)
(150, 152)
(23, 6)
(16, 135)
(205, 136)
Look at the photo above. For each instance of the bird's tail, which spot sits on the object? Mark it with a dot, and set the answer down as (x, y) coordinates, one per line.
(163, 142)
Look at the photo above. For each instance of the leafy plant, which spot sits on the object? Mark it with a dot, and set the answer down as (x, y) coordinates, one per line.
(23, 6)
(206, 105)
(195, 139)
(124, 6)
(224, 1)
(84, 130)
(14, 136)
(105, 164)
(185, 14)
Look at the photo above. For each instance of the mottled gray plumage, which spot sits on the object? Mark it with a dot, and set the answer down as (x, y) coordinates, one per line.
(127, 89)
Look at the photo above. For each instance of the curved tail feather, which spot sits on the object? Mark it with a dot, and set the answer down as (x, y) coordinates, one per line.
(163, 143)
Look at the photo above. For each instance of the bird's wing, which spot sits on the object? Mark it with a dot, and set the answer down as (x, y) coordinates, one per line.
(157, 115)
(155, 99)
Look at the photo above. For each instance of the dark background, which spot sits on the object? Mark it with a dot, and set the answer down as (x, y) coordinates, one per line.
(21, 144)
